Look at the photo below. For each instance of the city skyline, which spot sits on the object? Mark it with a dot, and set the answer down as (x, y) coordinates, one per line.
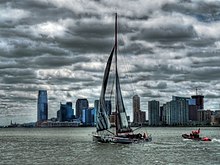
(168, 47)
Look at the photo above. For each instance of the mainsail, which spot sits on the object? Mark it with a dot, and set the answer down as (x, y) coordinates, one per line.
(122, 122)
(121, 116)
(103, 122)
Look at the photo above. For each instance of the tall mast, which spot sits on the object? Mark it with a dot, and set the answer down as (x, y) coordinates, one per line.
(116, 94)
(116, 39)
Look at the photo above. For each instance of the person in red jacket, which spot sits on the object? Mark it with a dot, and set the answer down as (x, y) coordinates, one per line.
(195, 134)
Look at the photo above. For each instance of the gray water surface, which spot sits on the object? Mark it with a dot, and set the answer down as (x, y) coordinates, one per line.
(39, 146)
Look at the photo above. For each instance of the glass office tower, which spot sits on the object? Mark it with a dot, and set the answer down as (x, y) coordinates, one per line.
(80, 105)
(42, 106)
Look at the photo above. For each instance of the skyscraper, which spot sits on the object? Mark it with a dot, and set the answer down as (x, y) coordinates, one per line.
(89, 117)
(139, 117)
(96, 104)
(198, 105)
(136, 103)
(42, 106)
(199, 101)
(65, 113)
(153, 112)
(136, 108)
(80, 105)
(177, 112)
(192, 110)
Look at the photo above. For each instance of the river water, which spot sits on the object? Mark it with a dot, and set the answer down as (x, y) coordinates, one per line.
(49, 146)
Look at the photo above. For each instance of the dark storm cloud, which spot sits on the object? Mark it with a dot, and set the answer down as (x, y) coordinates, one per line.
(86, 45)
(205, 74)
(167, 32)
(169, 47)
(204, 11)
(136, 48)
(212, 96)
(49, 61)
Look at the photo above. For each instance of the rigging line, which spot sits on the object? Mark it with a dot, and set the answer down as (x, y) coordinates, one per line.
(137, 128)
(112, 90)
(110, 132)
(126, 64)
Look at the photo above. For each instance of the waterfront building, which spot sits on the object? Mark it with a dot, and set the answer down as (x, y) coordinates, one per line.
(108, 107)
(89, 117)
(204, 116)
(107, 104)
(161, 114)
(215, 118)
(198, 104)
(164, 114)
(177, 112)
(189, 114)
(169, 116)
(199, 101)
(136, 109)
(66, 112)
(153, 112)
(42, 106)
(136, 103)
(80, 105)
(96, 104)
(112, 119)
(179, 98)
(192, 110)
(142, 118)
(139, 117)
(49, 123)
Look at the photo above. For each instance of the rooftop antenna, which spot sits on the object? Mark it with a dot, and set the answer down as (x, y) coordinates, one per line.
(198, 91)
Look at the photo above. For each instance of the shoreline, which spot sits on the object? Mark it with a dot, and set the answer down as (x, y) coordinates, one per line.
(8, 127)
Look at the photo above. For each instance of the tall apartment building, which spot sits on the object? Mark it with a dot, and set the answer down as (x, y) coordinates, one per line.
(153, 112)
(136, 109)
(204, 116)
(139, 116)
(198, 105)
(177, 112)
(193, 109)
(42, 106)
(199, 101)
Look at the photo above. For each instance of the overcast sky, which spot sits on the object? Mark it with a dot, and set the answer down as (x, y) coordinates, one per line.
(166, 47)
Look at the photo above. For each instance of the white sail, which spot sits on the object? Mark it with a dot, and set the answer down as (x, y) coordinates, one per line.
(123, 133)
(121, 116)
(122, 122)
(103, 122)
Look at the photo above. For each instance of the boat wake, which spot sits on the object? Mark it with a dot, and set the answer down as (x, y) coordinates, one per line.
(216, 140)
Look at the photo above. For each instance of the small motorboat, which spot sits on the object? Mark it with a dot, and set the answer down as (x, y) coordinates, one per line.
(186, 136)
(195, 136)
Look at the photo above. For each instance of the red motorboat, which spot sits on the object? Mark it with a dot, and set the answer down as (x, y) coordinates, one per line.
(186, 136)
(195, 136)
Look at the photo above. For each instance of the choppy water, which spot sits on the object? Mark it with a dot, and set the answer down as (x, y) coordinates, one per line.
(75, 146)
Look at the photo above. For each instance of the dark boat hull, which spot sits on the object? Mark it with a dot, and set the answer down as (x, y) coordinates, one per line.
(119, 139)
(186, 136)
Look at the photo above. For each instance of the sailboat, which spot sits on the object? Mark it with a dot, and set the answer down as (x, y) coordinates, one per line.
(122, 133)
